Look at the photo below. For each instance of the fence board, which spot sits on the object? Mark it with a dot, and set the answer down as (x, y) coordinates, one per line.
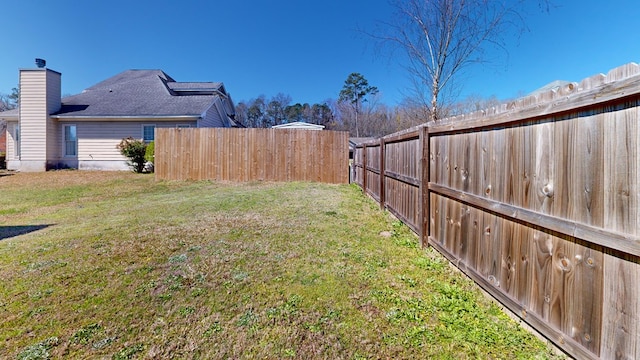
(251, 155)
(587, 314)
(523, 265)
(621, 313)
(537, 201)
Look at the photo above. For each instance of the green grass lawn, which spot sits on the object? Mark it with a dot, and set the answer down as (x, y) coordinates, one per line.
(118, 266)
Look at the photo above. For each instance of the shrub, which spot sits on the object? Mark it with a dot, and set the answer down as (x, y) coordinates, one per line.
(134, 150)
(149, 157)
(150, 152)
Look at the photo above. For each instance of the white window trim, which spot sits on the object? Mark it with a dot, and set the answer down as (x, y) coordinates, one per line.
(16, 141)
(154, 132)
(64, 141)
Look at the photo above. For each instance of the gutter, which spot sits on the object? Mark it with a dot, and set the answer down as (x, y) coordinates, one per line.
(129, 118)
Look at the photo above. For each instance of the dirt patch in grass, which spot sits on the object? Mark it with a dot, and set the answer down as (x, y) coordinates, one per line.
(133, 268)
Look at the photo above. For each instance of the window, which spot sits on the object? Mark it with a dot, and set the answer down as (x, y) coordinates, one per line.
(148, 133)
(182, 126)
(70, 141)
(16, 141)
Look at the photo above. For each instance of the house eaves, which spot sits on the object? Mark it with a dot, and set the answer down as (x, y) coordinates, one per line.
(129, 118)
(10, 115)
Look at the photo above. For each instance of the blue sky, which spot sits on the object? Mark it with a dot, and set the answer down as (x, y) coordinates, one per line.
(302, 48)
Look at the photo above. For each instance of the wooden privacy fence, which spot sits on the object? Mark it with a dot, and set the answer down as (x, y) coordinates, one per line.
(537, 201)
(251, 155)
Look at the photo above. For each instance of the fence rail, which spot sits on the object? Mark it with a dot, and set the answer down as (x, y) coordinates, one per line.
(536, 201)
(252, 155)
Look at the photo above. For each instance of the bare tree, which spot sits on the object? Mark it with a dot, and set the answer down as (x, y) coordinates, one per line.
(256, 112)
(14, 97)
(442, 37)
(275, 109)
(241, 113)
(474, 102)
(8, 102)
(321, 114)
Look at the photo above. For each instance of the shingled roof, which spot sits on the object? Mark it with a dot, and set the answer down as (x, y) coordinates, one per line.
(10, 114)
(141, 93)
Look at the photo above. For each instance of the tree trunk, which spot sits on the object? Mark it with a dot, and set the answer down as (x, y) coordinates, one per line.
(357, 130)
(434, 100)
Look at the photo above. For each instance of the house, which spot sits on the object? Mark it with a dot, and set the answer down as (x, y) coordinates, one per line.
(301, 125)
(83, 130)
(3, 143)
(355, 141)
(3, 138)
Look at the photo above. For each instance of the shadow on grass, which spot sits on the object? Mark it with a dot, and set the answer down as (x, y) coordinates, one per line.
(11, 231)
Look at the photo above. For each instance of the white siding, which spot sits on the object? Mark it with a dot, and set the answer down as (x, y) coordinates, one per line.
(12, 159)
(53, 105)
(98, 141)
(11, 125)
(39, 97)
(33, 115)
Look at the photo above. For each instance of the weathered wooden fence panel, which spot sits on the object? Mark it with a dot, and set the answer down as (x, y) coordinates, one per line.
(537, 201)
(397, 188)
(251, 155)
(372, 170)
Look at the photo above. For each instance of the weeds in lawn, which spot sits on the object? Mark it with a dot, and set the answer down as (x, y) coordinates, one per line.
(84, 335)
(39, 351)
(178, 258)
(102, 343)
(129, 352)
(186, 311)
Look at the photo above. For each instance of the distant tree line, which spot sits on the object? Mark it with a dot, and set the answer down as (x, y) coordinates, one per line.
(357, 110)
(8, 102)
(266, 112)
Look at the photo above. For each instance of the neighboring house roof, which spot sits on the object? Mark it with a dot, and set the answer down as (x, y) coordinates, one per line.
(354, 141)
(12, 114)
(299, 125)
(142, 93)
(554, 85)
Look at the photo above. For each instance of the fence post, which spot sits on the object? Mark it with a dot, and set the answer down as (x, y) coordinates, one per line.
(425, 201)
(382, 167)
(364, 168)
